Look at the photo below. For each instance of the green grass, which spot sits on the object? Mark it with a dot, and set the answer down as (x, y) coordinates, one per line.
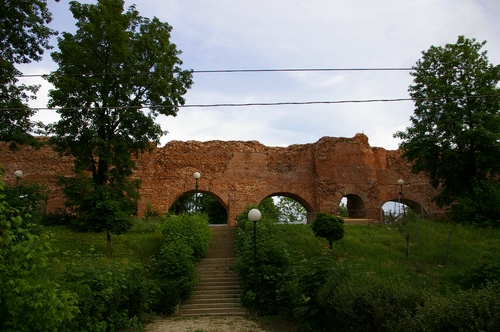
(141, 242)
(381, 249)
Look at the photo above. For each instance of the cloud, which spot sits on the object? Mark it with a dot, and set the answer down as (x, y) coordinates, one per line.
(261, 34)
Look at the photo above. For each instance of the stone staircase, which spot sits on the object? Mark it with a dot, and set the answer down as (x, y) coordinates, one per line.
(219, 289)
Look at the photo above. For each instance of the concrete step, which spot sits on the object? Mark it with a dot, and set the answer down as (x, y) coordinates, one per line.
(205, 300)
(219, 290)
(223, 311)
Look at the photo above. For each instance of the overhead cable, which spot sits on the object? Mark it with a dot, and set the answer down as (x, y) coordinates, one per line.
(258, 104)
(210, 71)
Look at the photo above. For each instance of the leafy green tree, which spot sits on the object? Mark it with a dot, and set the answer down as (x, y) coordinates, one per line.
(116, 74)
(217, 214)
(269, 210)
(454, 137)
(291, 211)
(328, 226)
(30, 300)
(23, 38)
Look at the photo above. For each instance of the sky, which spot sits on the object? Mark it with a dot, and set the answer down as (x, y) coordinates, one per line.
(297, 34)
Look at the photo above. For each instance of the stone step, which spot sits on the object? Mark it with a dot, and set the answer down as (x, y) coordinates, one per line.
(218, 291)
(226, 305)
(204, 294)
(223, 311)
(205, 300)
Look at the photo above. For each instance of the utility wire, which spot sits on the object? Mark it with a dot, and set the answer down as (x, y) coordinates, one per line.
(241, 71)
(258, 104)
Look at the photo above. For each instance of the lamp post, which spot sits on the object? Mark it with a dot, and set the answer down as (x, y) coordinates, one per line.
(196, 176)
(400, 196)
(18, 174)
(254, 215)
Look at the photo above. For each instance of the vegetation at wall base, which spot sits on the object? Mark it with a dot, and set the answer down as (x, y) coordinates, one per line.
(367, 283)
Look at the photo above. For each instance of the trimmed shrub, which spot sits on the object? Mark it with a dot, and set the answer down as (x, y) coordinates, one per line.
(328, 226)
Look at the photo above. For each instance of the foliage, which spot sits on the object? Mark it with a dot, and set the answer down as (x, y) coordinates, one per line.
(176, 274)
(455, 133)
(29, 300)
(472, 310)
(486, 270)
(192, 229)
(216, 212)
(272, 260)
(114, 66)
(201, 203)
(186, 239)
(24, 37)
(328, 226)
(28, 197)
(98, 207)
(367, 303)
(111, 295)
(291, 211)
(344, 212)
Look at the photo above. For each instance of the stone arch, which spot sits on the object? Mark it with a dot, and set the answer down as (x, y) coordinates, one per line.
(311, 214)
(205, 192)
(415, 206)
(355, 206)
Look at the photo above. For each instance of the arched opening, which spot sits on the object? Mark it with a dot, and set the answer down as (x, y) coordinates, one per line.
(352, 206)
(287, 208)
(201, 202)
(398, 208)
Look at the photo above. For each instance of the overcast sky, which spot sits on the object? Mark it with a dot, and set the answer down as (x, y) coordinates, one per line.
(275, 34)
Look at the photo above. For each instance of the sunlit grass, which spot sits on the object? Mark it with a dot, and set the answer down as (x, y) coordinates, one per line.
(436, 253)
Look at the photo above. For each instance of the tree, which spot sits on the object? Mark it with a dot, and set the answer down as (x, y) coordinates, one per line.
(454, 137)
(328, 226)
(23, 38)
(291, 211)
(116, 74)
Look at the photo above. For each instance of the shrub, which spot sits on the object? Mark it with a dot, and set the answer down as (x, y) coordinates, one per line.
(366, 303)
(469, 310)
(191, 229)
(176, 274)
(112, 294)
(272, 262)
(29, 300)
(328, 226)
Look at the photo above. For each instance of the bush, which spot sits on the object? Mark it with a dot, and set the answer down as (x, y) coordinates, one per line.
(176, 275)
(328, 226)
(469, 310)
(29, 300)
(366, 303)
(272, 262)
(111, 294)
(191, 229)
(306, 277)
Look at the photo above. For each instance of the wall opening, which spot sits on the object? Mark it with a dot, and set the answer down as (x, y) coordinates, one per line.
(352, 206)
(288, 208)
(201, 202)
(398, 208)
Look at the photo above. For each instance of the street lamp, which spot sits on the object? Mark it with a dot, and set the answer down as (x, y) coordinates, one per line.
(254, 215)
(400, 196)
(196, 176)
(18, 174)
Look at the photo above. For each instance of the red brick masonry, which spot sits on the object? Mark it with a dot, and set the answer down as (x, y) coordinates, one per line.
(318, 175)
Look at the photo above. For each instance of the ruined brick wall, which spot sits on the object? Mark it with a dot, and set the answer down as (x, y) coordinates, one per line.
(318, 175)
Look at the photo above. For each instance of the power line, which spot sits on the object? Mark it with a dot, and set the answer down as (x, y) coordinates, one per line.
(218, 71)
(259, 104)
